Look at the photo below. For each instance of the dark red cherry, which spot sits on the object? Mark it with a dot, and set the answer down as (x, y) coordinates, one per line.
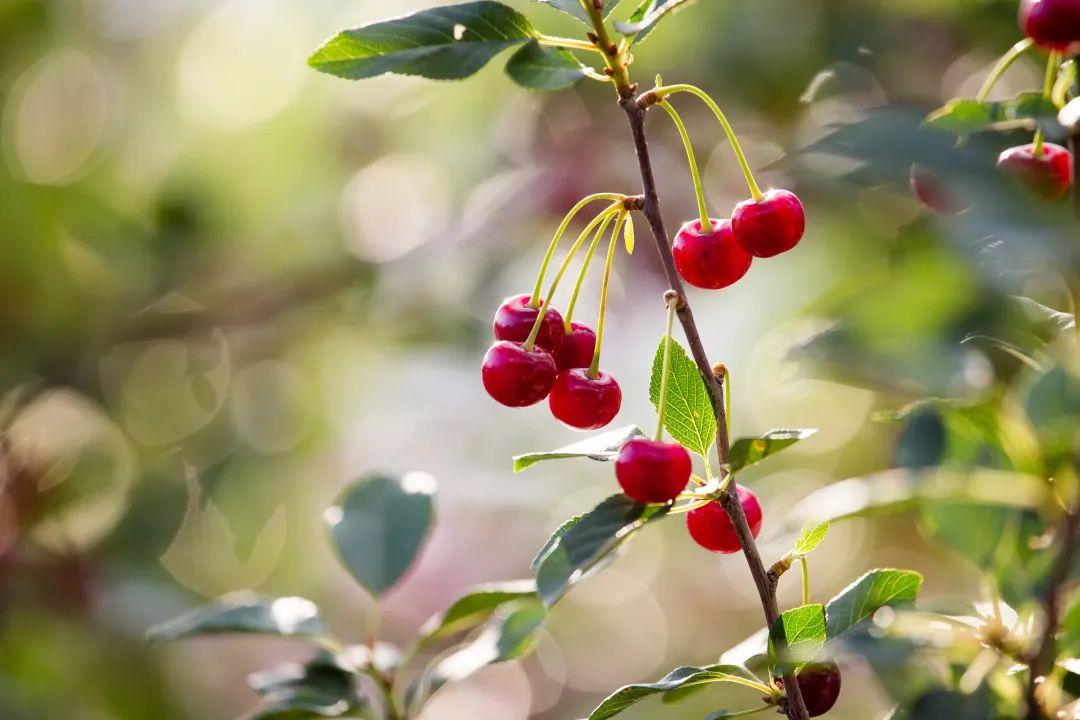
(515, 318)
(1047, 175)
(769, 226)
(652, 471)
(710, 260)
(1053, 24)
(819, 684)
(711, 527)
(517, 377)
(584, 402)
(933, 192)
(577, 347)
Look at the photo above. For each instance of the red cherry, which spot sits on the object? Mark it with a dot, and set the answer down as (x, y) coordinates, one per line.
(577, 347)
(933, 192)
(1054, 24)
(584, 402)
(711, 527)
(515, 318)
(710, 260)
(769, 226)
(1048, 175)
(819, 684)
(517, 377)
(652, 471)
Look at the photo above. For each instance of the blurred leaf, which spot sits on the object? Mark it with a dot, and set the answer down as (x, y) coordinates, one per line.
(379, 524)
(968, 116)
(1052, 402)
(971, 529)
(474, 608)
(583, 542)
(573, 7)
(244, 613)
(923, 440)
(753, 652)
(796, 638)
(544, 68)
(1068, 644)
(688, 415)
(322, 687)
(950, 705)
(750, 451)
(678, 679)
(811, 536)
(647, 15)
(874, 590)
(1059, 321)
(444, 43)
(603, 447)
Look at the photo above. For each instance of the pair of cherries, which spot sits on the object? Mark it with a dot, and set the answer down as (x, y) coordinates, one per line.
(720, 255)
(556, 367)
(654, 471)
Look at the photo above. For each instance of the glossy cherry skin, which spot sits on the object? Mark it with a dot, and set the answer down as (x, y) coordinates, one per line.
(515, 318)
(711, 528)
(820, 687)
(576, 350)
(1053, 24)
(652, 471)
(933, 192)
(1048, 175)
(517, 377)
(583, 402)
(770, 226)
(709, 260)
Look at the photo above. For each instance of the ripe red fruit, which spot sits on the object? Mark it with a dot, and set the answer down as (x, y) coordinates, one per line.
(517, 377)
(515, 318)
(769, 226)
(711, 527)
(652, 471)
(576, 350)
(1053, 24)
(933, 192)
(710, 260)
(584, 402)
(1047, 175)
(820, 687)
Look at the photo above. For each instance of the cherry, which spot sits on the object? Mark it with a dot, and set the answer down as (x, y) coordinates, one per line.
(585, 402)
(517, 377)
(711, 527)
(769, 226)
(577, 347)
(710, 260)
(652, 471)
(1053, 24)
(515, 318)
(819, 684)
(1048, 175)
(933, 192)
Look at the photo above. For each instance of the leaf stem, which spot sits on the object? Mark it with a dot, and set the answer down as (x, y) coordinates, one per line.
(1014, 53)
(695, 173)
(671, 298)
(594, 367)
(805, 567)
(565, 42)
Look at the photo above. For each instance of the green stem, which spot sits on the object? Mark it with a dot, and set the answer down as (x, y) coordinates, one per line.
(1002, 66)
(662, 93)
(564, 42)
(754, 711)
(594, 367)
(611, 209)
(805, 580)
(661, 405)
(597, 236)
(535, 301)
(695, 173)
(1052, 64)
(373, 625)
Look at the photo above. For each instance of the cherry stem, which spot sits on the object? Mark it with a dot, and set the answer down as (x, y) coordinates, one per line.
(662, 93)
(597, 236)
(535, 301)
(805, 580)
(672, 299)
(727, 398)
(594, 366)
(695, 173)
(1052, 64)
(1015, 53)
(538, 323)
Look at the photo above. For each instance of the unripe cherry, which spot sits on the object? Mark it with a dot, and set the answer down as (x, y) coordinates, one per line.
(770, 226)
(517, 377)
(1053, 24)
(652, 471)
(584, 402)
(576, 350)
(1047, 175)
(516, 316)
(710, 259)
(711, 528)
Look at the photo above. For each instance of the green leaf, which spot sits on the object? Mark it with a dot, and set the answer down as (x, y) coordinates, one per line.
(544, 68)
(749, 451)
(874, 590)
(811, 536)
(583, 542)
(474, 608)
(322, 687)
(1052, 403)
(379, 524)
(689, 416)
(573, 7)
(444, 43)
(647, 15)
(1069, 640)
(681, 678)
(796, 637)
(603, 447)
(244, 613)
(964, 116)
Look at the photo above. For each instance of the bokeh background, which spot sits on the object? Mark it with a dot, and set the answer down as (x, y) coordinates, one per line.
(229, 286)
